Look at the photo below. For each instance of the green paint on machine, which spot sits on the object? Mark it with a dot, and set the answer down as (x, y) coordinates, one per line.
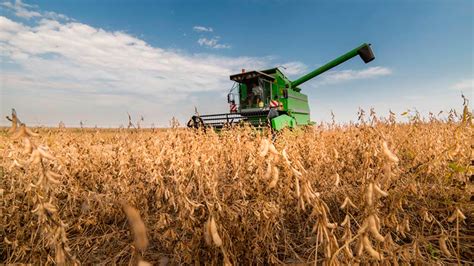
(282, 121)
(269, 98)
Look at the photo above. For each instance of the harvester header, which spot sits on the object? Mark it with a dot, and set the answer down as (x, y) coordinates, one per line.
(268, 97)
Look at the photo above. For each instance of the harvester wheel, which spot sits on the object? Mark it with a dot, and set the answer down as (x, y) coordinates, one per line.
(195, 122)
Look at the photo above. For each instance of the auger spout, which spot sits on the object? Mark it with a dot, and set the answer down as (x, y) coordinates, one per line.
(364, 51)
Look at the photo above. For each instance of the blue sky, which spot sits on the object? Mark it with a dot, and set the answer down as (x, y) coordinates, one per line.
(97, 60)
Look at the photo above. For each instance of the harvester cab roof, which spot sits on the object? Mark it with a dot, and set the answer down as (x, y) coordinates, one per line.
(251, 76)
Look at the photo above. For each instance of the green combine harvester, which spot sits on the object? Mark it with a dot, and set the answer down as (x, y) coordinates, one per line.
(269, 98)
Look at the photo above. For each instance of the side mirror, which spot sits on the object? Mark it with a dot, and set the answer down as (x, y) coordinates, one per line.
(366, 53)
(230, 98)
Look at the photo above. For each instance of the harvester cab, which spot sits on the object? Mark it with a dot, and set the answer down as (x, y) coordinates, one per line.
(254, 89)
(269, 98)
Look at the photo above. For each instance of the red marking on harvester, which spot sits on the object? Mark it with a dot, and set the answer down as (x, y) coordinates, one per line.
(233, 108)
(274, 104)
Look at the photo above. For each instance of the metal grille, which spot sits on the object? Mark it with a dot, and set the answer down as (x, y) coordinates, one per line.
(257, 118)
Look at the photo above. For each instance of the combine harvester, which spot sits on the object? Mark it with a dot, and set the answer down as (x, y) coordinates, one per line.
(269, 98)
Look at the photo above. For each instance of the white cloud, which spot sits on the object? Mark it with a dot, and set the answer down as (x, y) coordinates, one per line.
(21, 9)
(27, 11)
(78, 52)
(466, 84)
(346, 75)
(294, 68)
(209, 42)
(77, 67)
(212, 43)
(55, 16)
(202, 29)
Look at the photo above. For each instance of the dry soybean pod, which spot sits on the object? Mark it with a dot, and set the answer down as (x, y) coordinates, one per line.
(368, 247)
(443, 246)
(215, 235)
(275, 177)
